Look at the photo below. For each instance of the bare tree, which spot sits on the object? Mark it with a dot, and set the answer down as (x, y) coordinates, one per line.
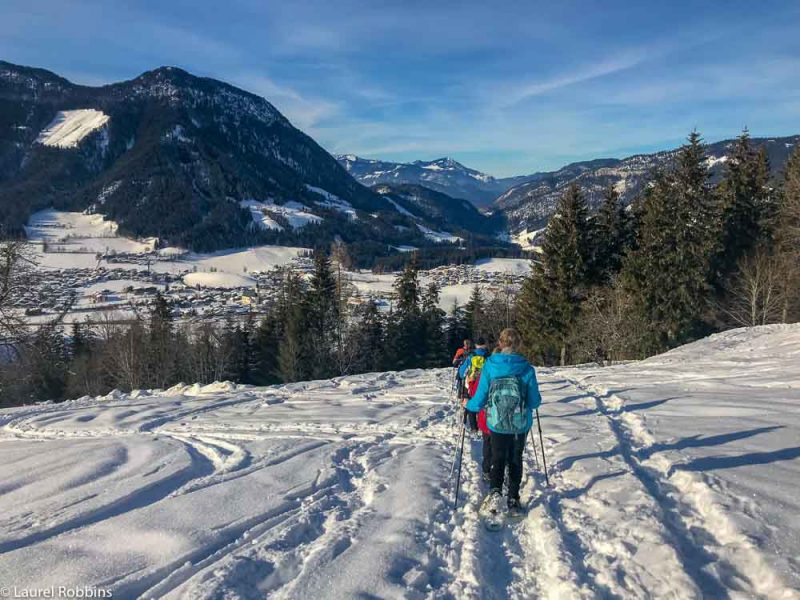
(16, 264)
(608, 329)
(125, 362)
(756, 294)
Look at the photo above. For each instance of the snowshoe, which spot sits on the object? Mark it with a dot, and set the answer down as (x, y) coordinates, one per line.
(492, 512)
(516, 512)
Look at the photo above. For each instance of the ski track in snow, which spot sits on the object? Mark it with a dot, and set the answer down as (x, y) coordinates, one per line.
(340, 489)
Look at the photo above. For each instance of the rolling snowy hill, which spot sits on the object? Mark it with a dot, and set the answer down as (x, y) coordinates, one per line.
(671, 477)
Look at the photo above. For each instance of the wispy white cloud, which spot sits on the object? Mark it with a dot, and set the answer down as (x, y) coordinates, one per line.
(517, 89)
(303, 111)
(603, 68)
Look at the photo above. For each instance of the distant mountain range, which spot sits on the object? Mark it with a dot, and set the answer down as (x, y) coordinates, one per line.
(191, 160)
(443, 175)
(526, 202)
(201, 164)
(528, 206)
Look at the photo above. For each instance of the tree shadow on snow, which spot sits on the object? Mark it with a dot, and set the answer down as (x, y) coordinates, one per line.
(729, 462)
(565, 464)
(646, 405)
(700, 441)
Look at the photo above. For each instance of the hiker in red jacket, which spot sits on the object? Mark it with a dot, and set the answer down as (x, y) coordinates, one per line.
(461, 353)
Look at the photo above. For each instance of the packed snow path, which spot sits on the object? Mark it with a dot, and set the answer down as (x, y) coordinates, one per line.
(673, 477)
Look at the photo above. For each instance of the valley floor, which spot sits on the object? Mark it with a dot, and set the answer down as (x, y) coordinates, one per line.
(671, 477)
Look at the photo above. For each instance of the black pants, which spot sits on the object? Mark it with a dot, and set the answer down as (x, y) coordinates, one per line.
(507, 451)
(471, 419)
(487, 453)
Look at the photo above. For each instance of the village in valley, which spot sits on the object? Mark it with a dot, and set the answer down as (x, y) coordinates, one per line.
(84, 271)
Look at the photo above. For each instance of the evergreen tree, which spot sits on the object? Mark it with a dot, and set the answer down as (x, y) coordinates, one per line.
(668, 273)
(293, 361)
(161, 347)
(369, 339)
(789, 210)
(266, 345)
(322, 318)
(456, 328)
(238, 340)
(612, 237)
(747, 206)
(407, 288)
(80, 340)
(344, 354)
(433, 335)
(549, 302)
(46, 360)
(474, 313)
(788, 239)
(406, 349)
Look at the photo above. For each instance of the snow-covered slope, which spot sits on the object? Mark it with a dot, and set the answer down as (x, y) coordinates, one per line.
(672, 477)
(69, 127)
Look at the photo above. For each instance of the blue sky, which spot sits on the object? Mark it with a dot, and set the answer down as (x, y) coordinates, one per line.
(504, 87)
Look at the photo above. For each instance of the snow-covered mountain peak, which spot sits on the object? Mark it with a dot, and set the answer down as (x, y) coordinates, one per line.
(445, 175)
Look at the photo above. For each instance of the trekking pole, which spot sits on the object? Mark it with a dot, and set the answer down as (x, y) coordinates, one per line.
(535, 453)
(541, 441)
(459, 414)
(460, 462)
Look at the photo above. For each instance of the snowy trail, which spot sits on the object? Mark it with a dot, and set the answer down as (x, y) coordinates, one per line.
(340, 489)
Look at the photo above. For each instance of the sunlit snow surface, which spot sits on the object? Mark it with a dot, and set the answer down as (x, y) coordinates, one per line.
(73, 233)
(672, 477)
(69, 127)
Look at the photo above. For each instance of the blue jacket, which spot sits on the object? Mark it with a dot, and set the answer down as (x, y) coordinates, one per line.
(507, 365)
(462, 370)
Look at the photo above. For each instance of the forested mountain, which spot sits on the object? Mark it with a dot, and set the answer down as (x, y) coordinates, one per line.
(529, 205)
(191, 160)
(441, 210)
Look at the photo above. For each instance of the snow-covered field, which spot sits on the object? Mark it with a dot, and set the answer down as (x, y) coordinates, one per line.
(439, 236)
(296, 214)
(74, 240)
(512, 266)
(672, 477)
(71, 233)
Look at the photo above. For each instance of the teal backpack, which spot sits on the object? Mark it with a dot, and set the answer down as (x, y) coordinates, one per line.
(506, 410)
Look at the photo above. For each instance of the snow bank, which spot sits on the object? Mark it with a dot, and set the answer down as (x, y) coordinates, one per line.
(69, 127)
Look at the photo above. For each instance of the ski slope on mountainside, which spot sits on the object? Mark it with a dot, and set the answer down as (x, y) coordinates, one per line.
(671, 477)
(69, 127)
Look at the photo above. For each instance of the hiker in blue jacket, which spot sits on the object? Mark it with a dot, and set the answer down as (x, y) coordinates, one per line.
(510, 393)
(465, 372)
